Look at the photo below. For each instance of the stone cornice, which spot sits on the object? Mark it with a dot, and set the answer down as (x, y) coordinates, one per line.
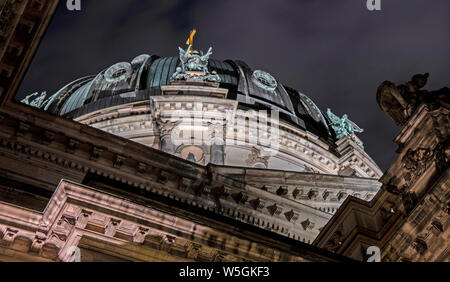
(295, 145)
(272, 180)
(123, 161)
(77, 211)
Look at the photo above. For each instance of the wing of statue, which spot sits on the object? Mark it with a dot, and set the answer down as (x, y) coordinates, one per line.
(26, 100)
(205, 57)
(184, 54)
(355, 128)
(334, 118)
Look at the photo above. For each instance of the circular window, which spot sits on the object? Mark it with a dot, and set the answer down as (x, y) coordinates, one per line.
(265, 80)
(118, 72)
(192, 153)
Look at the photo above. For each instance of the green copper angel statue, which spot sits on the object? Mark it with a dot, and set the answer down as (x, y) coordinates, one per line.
(343, 126)
(194, 64)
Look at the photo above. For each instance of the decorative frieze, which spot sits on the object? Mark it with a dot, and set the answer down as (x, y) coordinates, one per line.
(313, 194)
(342, 195)
(258, 204)
(275, 210)
(416, 163)
(112, 227)
(308, 224)
(83, 219)
(22, 129)
(118, 161)
(47, 137)
(38, 242)
(240, 198)
(193, 250)
(140, 235)
(282, 191)
(141, 168)
(292, 216)
(72, 145)
(96, 153)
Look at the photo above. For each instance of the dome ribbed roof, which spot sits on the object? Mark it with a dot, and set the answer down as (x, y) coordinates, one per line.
(146, 74)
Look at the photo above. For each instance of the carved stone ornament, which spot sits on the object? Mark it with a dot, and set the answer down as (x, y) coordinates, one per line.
(257, 156)
(416, 162)
(442, 153)
(166, 126)
(400, 102)
(194, 65)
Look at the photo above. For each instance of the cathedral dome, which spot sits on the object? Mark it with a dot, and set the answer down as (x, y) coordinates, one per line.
(148, 100)
(142, 78)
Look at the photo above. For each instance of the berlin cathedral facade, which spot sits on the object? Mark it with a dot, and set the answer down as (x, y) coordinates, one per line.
(188, 158)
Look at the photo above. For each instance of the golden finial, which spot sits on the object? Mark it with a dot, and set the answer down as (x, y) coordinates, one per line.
(190, 40)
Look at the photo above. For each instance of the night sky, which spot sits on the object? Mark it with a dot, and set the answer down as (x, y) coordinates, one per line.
(335, 51)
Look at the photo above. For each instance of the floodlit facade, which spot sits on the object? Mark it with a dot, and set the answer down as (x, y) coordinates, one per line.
(189, 158)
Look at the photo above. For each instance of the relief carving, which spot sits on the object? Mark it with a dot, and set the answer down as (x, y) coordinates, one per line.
(275, 210)
(258, 203)
(257, 156)
(48, 137)
(10, 234)
(165, 131)
(240, 198)
(83, 219)
(416, 163)
(57, 239)
(139, 236)
(282, 191)
(442, 155)
(292, 216)
(167, 242)
(96, 153)
(118, 161)
(112, 227)
(38, 242)
(193, 250)
(72, 145)
(313, 194)
(336, 240)
(308, 224)
(219, 256)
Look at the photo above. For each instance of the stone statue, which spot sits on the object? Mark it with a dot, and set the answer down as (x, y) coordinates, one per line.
(194, 64)
(400, 102)
(194, 61)
(35, 100)
(26, 100)
(344, 127)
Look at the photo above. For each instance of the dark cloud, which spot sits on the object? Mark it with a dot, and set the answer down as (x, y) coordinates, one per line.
(336, 52)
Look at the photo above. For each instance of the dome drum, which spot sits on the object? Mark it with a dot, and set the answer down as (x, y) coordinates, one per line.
(308, 141)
